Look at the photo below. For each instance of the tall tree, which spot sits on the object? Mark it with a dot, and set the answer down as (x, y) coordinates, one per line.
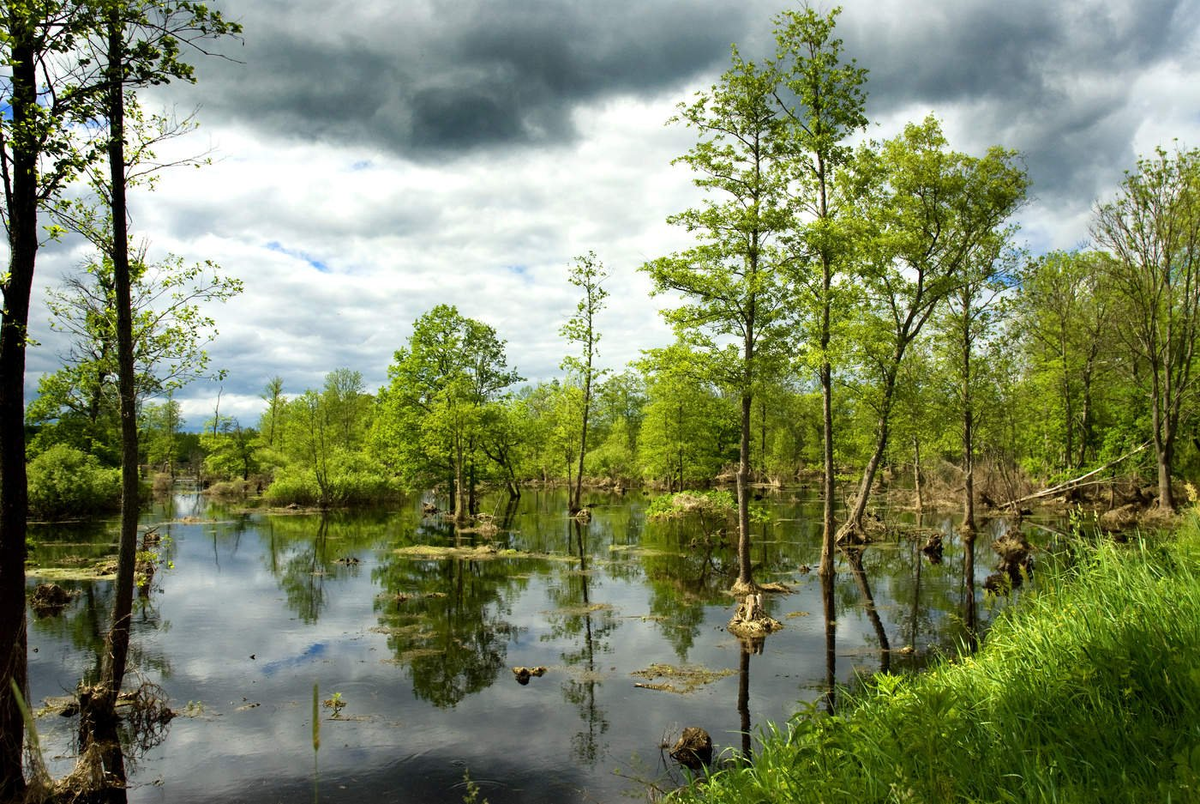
(731, 281)
(1152, 229)
(587, 274)
(926, 212)
(824, 108)
(968, 320)
(37, 159)
(431, 412)
(135, 43)
(1063, 312)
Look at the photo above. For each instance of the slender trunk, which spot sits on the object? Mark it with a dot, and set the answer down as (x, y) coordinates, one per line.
(827, 481)
(460, 491)
(829, 607)
(118, 640)
(1163, 444)
(852, 530)
(917, 474)
(743, 700)
(968, 432)
(743, 495)
(587, 402)
(14, 500)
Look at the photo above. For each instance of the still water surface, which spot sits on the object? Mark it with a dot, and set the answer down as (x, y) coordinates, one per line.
(259, 607)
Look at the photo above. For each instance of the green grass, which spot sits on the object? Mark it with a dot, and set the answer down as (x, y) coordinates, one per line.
(1087, 690)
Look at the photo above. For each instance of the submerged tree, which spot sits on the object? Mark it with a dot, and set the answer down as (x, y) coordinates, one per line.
(731, 281)
(588, 274)
(1152, 229)
(825, 107)
(926, 214)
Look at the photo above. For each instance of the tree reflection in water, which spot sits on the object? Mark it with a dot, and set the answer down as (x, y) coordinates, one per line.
(579, 617)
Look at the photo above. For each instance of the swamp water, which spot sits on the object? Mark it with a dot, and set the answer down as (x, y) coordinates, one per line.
(413, 648)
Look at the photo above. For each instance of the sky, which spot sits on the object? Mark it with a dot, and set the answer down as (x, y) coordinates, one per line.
(374, 159)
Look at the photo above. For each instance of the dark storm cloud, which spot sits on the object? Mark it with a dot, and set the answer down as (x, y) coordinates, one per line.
(449, 75)
(1056, 81)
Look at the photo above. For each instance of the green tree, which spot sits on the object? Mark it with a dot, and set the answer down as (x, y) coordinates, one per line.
(134, 43)
(1064, 307)
(1152, 230)
(171, 331)
(968, 322)
(160, 427)
(690, 431)
(926, 212)
(825, 107)
(587, 274)
(37, 40)
(432, 413)
(731, 281)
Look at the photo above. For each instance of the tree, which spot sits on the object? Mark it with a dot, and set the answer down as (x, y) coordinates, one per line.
(968, 321)
(587, 274)
(1152, 229)
(826, 106)
(170, 332)
(926, 212)
(37, 160)
(1063, 308)
(732, 280)
(133, 43)
(431, 414)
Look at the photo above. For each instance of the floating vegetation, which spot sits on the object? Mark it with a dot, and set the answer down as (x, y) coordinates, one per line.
(481, 552)
(579, 611)
(683, 680)
(105, 570)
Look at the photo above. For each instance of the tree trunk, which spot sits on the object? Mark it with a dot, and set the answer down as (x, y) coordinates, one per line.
(968, 525)
(117, 648)
(852, 531)
(14, 499)
(745, 580)
(827, 479)
(917, 475)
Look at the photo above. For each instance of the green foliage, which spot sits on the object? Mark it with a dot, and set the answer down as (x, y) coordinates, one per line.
(434, 414)
(64, 482)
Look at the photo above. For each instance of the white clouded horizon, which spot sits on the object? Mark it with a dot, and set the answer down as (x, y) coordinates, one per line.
(373, 161)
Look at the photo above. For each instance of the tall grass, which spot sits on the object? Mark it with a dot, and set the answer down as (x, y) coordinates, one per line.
(1087, 690)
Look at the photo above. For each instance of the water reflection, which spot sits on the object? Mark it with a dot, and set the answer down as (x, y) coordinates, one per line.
(262, 605)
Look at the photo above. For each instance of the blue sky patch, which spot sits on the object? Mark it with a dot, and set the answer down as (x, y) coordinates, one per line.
(321, 266)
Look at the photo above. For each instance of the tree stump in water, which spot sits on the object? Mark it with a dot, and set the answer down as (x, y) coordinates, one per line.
(933, 548)
(751, 620)
(693, 749)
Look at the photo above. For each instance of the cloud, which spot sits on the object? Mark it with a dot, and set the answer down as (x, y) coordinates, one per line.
(375, 159)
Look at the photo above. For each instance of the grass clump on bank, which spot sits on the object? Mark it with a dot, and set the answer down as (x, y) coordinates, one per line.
(1086, 690)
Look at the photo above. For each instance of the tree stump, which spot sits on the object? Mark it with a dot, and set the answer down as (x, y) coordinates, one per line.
(693, 749)
(751, 620)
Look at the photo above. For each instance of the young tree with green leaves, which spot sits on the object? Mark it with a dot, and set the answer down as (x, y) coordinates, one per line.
(1063, 311)
(925, 212)
(824, 108)
(1152, 230)
(133, 43)
(731, 281)
(587, 274)
(432, 412)
(968, 322)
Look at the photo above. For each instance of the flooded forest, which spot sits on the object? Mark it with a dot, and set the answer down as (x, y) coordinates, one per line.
(879, 416)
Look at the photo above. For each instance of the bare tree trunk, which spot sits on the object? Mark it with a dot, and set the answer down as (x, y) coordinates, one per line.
(745, 579)
(117, 648)
(14, 499)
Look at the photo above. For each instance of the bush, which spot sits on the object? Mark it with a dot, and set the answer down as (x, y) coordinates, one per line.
(347, 487)
(64, 483)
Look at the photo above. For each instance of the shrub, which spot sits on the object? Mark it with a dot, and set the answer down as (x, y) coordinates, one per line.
(64, 483)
